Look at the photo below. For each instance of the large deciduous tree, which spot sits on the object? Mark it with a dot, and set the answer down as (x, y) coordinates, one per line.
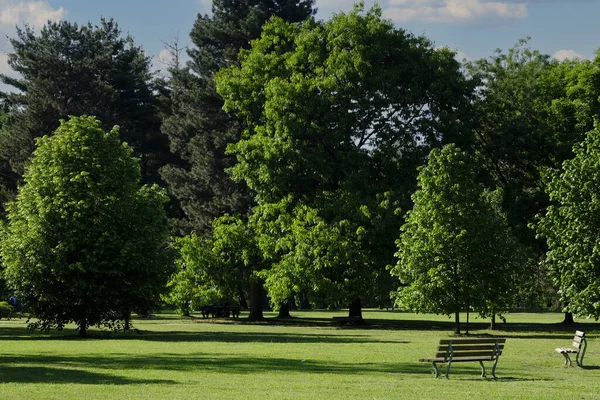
(68, 69)
(84, 242)
(339, 115)
(571, 227)
(198, 128)
(455, 251)
(532, 109)
(200, 131)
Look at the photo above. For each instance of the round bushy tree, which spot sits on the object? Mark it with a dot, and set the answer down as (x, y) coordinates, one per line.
(84, 242)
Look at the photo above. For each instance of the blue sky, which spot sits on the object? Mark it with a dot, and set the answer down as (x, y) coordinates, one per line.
(475, 28)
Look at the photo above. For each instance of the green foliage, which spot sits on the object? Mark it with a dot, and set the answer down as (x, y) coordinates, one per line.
(532, 109)
(571, 227)
(217, 269)
(198, 128)
(68, 69)
(84, 242)
(340, 114)
(455, 251)
(190, 287)
(6, 309)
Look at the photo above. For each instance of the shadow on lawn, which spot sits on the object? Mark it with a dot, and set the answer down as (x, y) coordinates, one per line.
(249, 337)
(37, 374)
(21, 333)
(30, 370)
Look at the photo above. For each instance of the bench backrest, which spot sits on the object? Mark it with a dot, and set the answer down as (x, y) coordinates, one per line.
(471, 347)
(578, 339)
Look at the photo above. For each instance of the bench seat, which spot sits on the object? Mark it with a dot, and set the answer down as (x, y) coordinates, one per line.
(579, 348)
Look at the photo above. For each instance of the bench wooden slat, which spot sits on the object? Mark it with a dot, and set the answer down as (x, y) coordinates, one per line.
(461, 347)
(456, 359)
(473, 341)
(488, 354)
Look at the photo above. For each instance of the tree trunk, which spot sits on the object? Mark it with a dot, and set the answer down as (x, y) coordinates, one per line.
(457, 321)
(304, 302)
(242, 298)
(256, 295)
(568, 319)
(493, 322)
(284, 310)
(127, 322)
(185, 309)
(355, 309)
(467, 328)
(83, 328)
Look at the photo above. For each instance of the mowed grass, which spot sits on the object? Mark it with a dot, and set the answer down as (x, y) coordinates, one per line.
(304, 358)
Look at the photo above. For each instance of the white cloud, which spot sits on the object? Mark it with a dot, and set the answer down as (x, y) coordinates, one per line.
(452, 10)
(34, 13)
(569, 54)
(162, 61)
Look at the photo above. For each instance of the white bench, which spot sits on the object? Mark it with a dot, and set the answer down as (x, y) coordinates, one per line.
(579, 346)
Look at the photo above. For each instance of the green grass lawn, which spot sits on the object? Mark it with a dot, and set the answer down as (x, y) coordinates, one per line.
(304, 358)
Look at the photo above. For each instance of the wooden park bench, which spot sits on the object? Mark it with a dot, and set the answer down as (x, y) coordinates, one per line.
(465, 350)
(579, 342)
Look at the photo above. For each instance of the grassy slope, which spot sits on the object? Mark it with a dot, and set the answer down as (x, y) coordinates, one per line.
(305, 359)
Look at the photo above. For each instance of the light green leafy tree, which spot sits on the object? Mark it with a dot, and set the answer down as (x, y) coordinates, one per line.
(84, 241)
(571, 227)
(216, 269)
(455, 251)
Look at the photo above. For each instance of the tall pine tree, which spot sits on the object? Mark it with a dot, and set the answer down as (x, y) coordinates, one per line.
(68, 69)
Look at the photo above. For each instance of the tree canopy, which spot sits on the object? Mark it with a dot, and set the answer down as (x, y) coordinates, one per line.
(339, 114)
(84, 242)
(198, 128)
(455, 252)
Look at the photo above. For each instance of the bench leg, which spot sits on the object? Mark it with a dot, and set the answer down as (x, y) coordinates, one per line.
(567, 359)
(579, 360)
(448, 368)
(482, 369)
(494, 368)
(436, 371)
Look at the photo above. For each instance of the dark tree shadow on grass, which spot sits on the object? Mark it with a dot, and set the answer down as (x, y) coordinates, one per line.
(73, 367)
(37, 374)
(17, 334)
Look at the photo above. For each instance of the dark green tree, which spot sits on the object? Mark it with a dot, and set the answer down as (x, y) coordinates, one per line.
(85, 242)
(198, 129)
(456, 252)
(571, 227)
(68, 69)
(340, 114)
(532, 109)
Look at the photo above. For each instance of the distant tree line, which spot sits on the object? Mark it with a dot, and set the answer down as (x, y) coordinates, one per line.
(336, 163)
